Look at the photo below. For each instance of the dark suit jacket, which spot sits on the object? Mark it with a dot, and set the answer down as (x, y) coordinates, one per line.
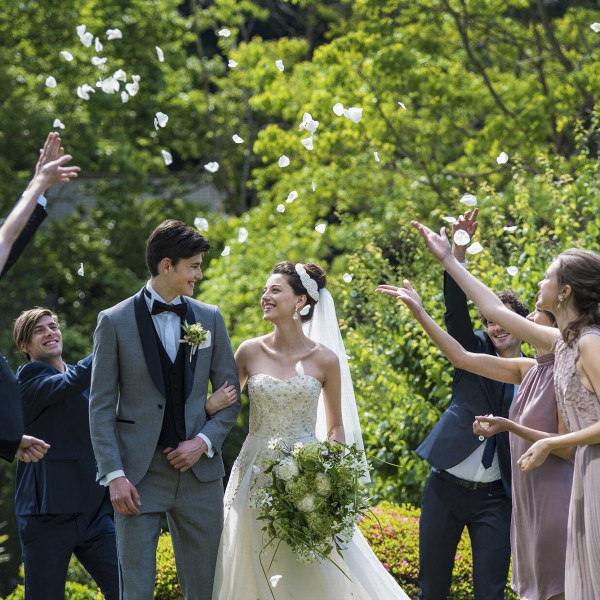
(452, 439)
(11, 418)
(55, 407)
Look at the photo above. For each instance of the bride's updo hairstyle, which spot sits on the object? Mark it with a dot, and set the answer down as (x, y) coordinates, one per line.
(316, 273)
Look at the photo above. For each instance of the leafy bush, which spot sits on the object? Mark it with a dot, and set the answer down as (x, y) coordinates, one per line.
(167, 586)
(73, 591)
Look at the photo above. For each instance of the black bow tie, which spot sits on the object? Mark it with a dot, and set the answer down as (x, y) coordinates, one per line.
(159, 307)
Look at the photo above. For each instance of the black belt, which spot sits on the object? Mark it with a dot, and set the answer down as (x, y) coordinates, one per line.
(469, 485)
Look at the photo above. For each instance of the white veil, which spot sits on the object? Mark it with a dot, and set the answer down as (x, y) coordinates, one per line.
(323, 328)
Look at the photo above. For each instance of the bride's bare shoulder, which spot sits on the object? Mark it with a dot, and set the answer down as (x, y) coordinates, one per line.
(326, 355)
(253, 345)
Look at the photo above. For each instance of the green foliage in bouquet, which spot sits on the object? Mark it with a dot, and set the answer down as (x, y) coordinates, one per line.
(312, 500)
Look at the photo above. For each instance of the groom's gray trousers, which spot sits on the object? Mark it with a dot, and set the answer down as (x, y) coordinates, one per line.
(181, 496)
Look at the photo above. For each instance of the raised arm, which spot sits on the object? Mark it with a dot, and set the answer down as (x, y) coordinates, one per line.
(484, 298)
(507, 370)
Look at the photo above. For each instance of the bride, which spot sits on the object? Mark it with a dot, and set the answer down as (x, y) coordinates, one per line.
(297, 392)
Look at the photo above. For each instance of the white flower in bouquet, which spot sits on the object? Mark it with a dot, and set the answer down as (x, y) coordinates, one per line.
(322, 484)
(287, 469)
(307, 504)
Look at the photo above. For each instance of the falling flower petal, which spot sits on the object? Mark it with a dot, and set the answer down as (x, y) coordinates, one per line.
(312, 184)
(237, 139)
(308, 143)
(402, 105)
(120, 75)
(124, 97)
(242, 235)
(201, 224)
(80, 272)
(232, 64)
(353, 113)
(300, 371)
(86, 37)
(167, 157)
(223, 33)
(226, 251)
(134, 87)
(308, 123)
(347, 277)
(338, 109)
(512, 271)
(284, 161)
(461, 237)
(109, 85)
(450, 220)
(376, 155)
(212, 167)
(595, 27)
(279, 65)
(113, 34)
(280, 208)
(274, 580)
(67, 55)
(97, 60)
(502, 158)
(469, 200)
(160, 120)
(98, 47)
(292, 196)
(58, 124)
(50, 82)
(510, 228)
(475, 248)
(320, 228)
(160, 54)
(83, 91)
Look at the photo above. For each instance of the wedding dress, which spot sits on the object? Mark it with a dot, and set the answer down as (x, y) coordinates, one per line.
(285, 409)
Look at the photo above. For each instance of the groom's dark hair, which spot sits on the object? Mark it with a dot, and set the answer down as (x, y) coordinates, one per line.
(175, 240)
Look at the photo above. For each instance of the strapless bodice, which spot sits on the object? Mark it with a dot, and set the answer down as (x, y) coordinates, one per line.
(284, 408)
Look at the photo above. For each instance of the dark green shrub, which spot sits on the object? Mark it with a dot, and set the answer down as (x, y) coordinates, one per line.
(167, 586)
(73, 591)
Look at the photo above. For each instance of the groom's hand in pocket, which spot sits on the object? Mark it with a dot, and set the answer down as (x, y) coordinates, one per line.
(124, 496)
(187, 453)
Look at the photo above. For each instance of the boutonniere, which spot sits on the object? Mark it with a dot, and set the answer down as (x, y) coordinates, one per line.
(195, 335)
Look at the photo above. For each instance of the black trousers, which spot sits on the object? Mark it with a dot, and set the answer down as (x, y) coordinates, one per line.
(48, 541)
(446, 509)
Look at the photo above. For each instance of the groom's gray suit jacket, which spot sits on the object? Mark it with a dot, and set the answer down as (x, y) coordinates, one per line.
(127, 399)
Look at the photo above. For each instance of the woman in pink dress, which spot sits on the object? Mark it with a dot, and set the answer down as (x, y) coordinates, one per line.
(570, 290)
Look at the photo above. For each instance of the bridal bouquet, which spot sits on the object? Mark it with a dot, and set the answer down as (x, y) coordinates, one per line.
(313, 500)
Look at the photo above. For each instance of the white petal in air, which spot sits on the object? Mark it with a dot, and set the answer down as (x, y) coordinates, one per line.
(353, 113)
(401, 104)
(320, 228)
(58, 124)
(280, 208)
(86, 37)
(308, 123)
(338, 109)
(120, 75)
(223, 33)
(226, 251)
(469, 200)
(595, 27)
(212, 167)
(232, 64)
(274, 580)
(502, 158)
(109, 85)
(98, 47)
(475, 248)
(512, 271)
(201, 224)
(279, 65)
(124, 97)
(134, 87)
(284, 161)
(376, 155)
(113, 34)
(50, 82)
(308, 143)
(67, 55)
(450, 220)
(242, 235)
(161, 119)
(167, 157)
(313, 185)
(160, 54)
(461, 237)
(347, 277)
(81, 271)
(97, 60)
(83, 91)
(291, 196)
(237, 139)
(510, 228)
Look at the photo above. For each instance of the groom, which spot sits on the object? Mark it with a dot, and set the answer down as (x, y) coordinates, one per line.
(155, 446)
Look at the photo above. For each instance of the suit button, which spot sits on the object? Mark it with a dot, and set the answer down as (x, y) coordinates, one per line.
(160, 406)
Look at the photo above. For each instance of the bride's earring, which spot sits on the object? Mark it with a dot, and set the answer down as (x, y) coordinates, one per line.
(295, 315)
(560, 300)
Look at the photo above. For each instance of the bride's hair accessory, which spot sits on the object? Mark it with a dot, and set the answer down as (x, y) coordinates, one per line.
(310, 285)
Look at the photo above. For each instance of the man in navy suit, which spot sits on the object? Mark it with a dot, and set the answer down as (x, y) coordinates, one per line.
(15, 233)
(60, 508)
(469, 484)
